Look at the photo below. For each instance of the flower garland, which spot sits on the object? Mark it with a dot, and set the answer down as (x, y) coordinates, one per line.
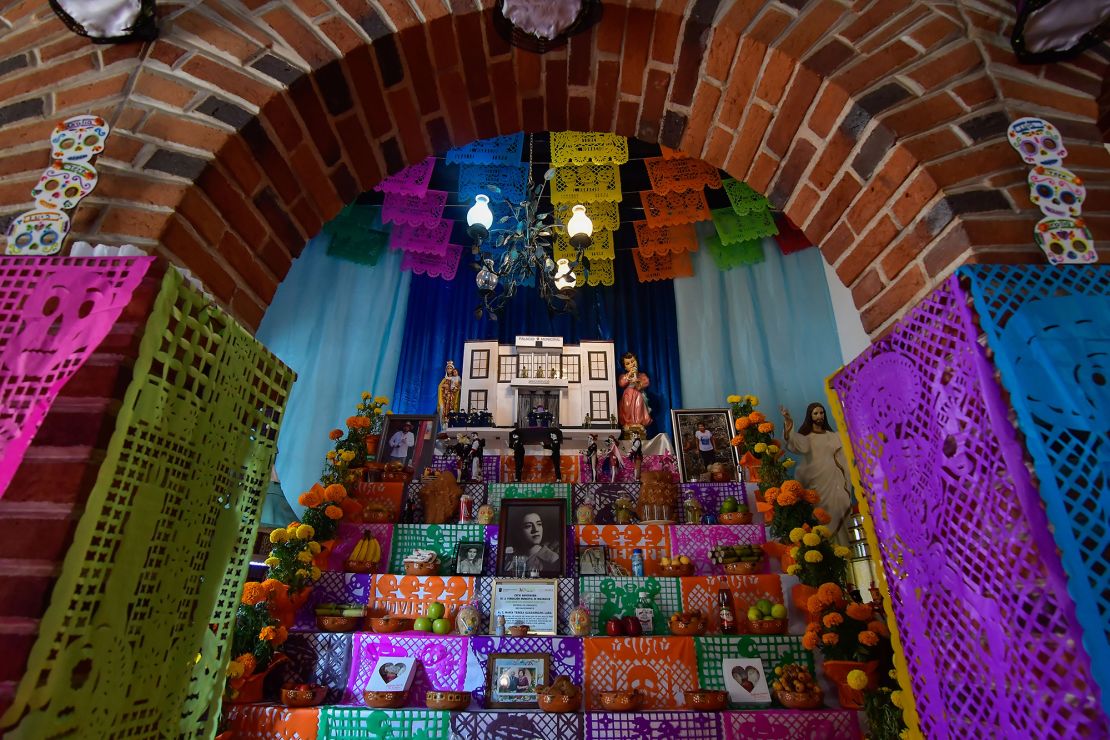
(817, 559)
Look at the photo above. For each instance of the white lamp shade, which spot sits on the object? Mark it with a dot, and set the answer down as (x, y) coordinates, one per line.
(479, 213)
(579, 222)
(564, 278)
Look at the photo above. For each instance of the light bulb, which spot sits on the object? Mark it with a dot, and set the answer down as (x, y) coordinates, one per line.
(565, 279)
(486, 280)
(580, 228)
(479, 218)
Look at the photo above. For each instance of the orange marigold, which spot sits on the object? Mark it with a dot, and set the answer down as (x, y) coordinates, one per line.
(309, 499)
(756, 417)
(271, 585)
(793, 486)
(809, 640)
(770, 495)
(860, 612)
(833, 620)
(335, 492)
(267, 634)
(811, 496)
(737, 440)
(786, 498)
(282, 635)
(333, 512)
(352, 422)
(878, 628)
(869, 638)
(822, 516)
(335, 434)
(742, 423)
(829, 592)
(253, 593)
(766, 427)
(830, 638)
(249, 663)
(813, 604)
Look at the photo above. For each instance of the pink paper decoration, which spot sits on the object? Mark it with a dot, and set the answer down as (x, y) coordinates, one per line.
(434, 266)
(414, 210)
(56, 312)
(422, 240)
(409, 181)
(441, 661)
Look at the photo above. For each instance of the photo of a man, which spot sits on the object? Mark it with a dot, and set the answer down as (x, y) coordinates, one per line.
(401, 444)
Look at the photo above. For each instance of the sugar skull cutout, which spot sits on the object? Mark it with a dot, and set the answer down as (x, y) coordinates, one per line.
(38, 232)
(1037, 141)
(79, 138)
(1065, 241)
(63, 184)
(1057, 192)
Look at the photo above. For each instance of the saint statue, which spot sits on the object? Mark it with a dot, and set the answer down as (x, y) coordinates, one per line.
(447, 397)
(824, 467)
(635, 413)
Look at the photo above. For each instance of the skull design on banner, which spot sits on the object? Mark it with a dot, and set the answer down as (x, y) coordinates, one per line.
(1065, 240)
(63, 184)
(37, 232)
(1056, 191)
(1037, 141)
(79, 139)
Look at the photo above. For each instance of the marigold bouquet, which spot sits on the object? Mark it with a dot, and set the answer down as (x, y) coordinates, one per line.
(350, 446)
(817, 559)
(324, 507)
(842, 629)
(257, 635)
(291, 556)
(791, 507)
(755, 437)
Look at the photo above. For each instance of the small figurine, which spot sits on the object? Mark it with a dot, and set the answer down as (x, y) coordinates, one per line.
(517, 446)
(554, 373)
(555, 440)
(486, 514)
(591, 457)
(447, 393)
(461, 451)
(692, 509)
(622, 511)
(613, 458)
(636, 453)
(475, 456)
(523, 372)
(635, 413)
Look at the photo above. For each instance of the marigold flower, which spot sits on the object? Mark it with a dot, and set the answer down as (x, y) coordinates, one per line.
(333, 512)
(770, 495)
(742, 423)
(830, 638)
(753, 400)
(267, 634)
(841, 551)
(878, 628)
(253, 593)
(301, 573)
(347, 455)
(794, 570)
(278, 536)
(793, 486)
(760, 448)
(869, 638)
(773, 449)
(822, 516)
(797, 534)
(809, 494)
(829, 592)
(823, 531)
(787, 499)
(309, 499)
(331, 454)
(814, 604)
(352, 422)
(366, 395)
(833, 620)
(282, 635)
(737, 440)
(335, 492)
(809, 640)
(860, 612)
(234, 669)
(857, 679)
(271, 562)
(381, 399)
(896, 698)
(814, 556)
(766, 427)
(757, 417)
(305, 532)
(249, 663)
(292, 528)
(314, 547)
(304, 556)
(271, 585)
(335, 434)
(811, 540)
(314, 573)
(788, 463)
(733, 399)
(794, 552)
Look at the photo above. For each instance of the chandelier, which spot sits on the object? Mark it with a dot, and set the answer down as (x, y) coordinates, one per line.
(520, 249)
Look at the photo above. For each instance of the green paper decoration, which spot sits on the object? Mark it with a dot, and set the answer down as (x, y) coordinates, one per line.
(497, 491)
(744, 200)
(729, 256)
(135, 640)
(608, 597)
(732, 227)
(773, 650)
(360, 723)
(441, 538)
(357, 235)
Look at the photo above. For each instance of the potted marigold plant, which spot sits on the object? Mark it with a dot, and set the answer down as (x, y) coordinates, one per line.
(760, 453)
(790, 506)
(817, 559)
(253, 643)
(847, 634)
(883, 706)
(324, 507)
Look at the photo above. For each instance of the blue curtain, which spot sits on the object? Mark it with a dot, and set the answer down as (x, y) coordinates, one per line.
(765, 329)
(339, 326)
(637, 317)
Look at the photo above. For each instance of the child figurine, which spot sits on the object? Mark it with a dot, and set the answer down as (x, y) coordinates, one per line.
(636, 453)
(613, 458)
(591, 457)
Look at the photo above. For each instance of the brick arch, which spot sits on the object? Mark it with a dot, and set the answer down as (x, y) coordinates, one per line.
(878, 126)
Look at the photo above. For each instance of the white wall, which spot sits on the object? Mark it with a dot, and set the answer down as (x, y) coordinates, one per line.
(849, 328)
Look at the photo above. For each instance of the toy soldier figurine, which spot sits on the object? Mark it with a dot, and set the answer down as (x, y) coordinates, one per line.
(475, 455)
(517, 445)
(555, 440)
(636, 454)
(591, 457)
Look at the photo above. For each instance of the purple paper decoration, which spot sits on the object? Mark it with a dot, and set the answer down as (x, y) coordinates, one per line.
(987, 627)
(491, 466)
(409, 181)
(55, 314)
(654, 726)
(804, 724)
(696, 542)
(516, 724)
(421, 240)
(333, 588)
(414, 210)
(566, 656)
(322, 658)
(442, 661)
(348, 535)
(442, 266)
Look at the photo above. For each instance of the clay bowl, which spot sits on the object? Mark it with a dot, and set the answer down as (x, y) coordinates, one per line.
(794, 700)
(386, 624)
(677, 570)
(519, 630)
(742, 568)
(384, 699)
(422, 569)
(735, 517)
(621, 701)
(705, 700)
(449, 700)
(330, 623)
(303, 697)
(684, 628)
(358, 566)
(559, 703)
(377, 516)
(767, 627)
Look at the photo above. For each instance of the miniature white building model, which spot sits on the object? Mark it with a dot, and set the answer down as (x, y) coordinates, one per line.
(569, 381)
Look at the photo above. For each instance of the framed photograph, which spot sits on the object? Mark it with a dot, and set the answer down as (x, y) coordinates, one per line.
(469, 557)
(531, 601)
(513, 677)
(746, 681)
(701, 439)
(409, 440)
(532, 538)
(593, 560)
(392, 674)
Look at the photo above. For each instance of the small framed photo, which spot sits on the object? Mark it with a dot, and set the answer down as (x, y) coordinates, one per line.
(746, 681)
(392, 674)
(469, 557)
(530, 601)
(702, 438)
(409, 440)
(532, 538)
(513, 678)
(593, 560)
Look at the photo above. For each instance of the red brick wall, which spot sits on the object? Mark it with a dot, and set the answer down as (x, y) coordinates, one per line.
(878, 126)
(47, 495)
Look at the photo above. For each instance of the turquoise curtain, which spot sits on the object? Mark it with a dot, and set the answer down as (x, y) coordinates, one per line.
(339, 325)
(766, 329)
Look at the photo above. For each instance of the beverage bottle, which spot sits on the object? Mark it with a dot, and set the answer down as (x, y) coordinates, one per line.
(638, 562)
(645, 613)
(465, 508)
(728, 619)
(500, 625)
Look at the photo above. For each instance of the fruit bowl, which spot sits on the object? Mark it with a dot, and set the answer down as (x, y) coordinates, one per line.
(559, 703)
(621, 701)
(422, 569)
(795, 700)
(384, 699)
(735, 517)
(386, 624)
(449, 700)
(681, 569)
(766, 626)
(377, 516)
(742, 567)
(519, 630)
(309, 697)
(686, 627)
(333, 623)
(359, 566)
(705, 700)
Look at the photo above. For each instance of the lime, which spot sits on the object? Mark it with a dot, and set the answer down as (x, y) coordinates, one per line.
(754, 615)
(729, 505)
(778, 611)
(436, 611)
(764, 606)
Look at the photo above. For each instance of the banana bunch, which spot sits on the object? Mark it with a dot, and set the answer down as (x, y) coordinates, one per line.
(368, 550)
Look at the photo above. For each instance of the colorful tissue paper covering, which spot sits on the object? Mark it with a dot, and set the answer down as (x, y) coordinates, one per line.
(445, 266)
(441, 662)
(272, 722)
(411, 180)
(675, 209)
(413, 210)
(578, 148)
(733, 227)
(497, 150)
(790, 238)
(605, 215)
(678, 175)
(661, 667)
(586, 184)
(664, 266)
(510, 181)
(660, 240)
(745, 201)
(422, 240)
(601, 247)
(728, 256)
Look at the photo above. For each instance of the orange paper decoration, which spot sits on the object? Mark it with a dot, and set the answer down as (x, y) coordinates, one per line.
(658, 240)
(675, 208)
(622, 539)
(538, 469)
(408, 596)
(272, 722)
(662, 266)
(660, 667)
(678, 175)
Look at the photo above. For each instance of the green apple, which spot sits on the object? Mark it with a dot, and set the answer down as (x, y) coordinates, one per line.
(436, 610)
(441, 626)
(778, 611)
(764, 606)
(754, 615)
(729, 505)
(422, 624)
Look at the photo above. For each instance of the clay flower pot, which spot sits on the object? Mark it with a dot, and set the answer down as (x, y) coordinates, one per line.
(284, 607)
(838, 670)
(320, 559)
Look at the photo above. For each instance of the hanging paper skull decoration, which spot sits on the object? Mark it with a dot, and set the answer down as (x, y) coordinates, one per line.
(1065, 241)
(1056, 191)
(79, 138)
(1037, 141)
(64, 184)
(37, 232)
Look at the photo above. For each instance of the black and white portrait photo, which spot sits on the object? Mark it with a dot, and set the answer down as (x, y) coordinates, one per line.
(468, 558)
(532, 538)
